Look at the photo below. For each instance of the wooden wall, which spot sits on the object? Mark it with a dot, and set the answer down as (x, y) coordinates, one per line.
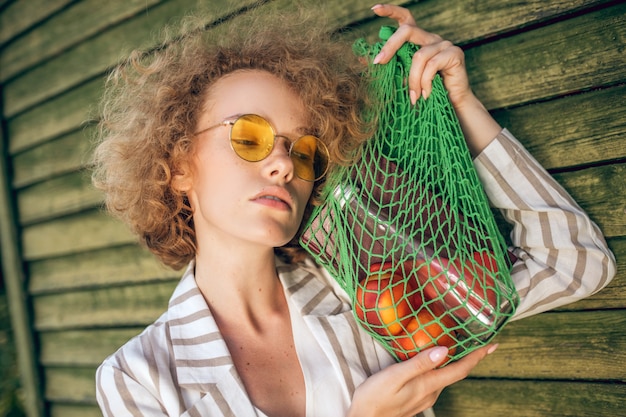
(553, 72)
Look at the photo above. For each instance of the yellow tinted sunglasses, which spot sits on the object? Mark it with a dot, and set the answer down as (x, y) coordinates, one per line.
(252, 138)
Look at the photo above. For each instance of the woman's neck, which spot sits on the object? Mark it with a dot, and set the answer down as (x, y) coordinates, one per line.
(240, 283)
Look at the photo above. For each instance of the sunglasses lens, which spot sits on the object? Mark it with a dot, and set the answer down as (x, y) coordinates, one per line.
(310, 158)
(252, 137)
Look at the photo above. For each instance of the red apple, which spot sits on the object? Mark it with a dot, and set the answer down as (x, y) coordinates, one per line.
(381, 300)
(423, 332)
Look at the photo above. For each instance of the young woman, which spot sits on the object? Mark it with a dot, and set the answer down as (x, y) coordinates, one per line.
(250, 333)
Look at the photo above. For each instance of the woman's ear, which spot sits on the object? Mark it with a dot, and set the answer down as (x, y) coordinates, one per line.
(182, 179)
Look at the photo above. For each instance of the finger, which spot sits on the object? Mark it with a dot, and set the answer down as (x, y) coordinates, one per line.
(411, 381)
(400, 14)
(419, 364)
(405, 19)
(427, 62)
(394, 43)
(460, 369)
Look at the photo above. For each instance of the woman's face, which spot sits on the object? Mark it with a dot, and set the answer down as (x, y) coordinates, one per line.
(235, 201)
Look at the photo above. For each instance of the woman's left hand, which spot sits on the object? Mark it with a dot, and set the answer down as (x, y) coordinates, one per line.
(435, 55)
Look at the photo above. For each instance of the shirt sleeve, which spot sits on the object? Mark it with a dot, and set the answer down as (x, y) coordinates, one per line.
(119, 394)
(561, 254)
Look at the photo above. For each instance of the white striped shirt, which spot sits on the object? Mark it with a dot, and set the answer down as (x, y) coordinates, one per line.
(180, 365)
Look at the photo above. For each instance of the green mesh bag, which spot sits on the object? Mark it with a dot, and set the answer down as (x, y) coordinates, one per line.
(407, 231)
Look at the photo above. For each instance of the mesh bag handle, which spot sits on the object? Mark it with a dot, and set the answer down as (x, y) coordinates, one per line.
(407, 230)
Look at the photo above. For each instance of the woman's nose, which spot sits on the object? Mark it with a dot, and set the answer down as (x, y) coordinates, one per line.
(278, 163)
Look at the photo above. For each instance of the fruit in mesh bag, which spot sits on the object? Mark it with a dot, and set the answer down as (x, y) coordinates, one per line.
(382, 300)
(389, 303)
(425, 331)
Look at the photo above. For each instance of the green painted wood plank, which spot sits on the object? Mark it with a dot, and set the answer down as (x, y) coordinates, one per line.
(588, 345)
(18, 16)
(578, 129)
(91, 58)
(65, 114)
(60, 196)
(132, 264)
(52, 119)
(574, 130)
(497, 398)
(82, 232)
(99, 268)
(83, 20)
(71, 385)
(137, 305)
(578, 54)
(82, 348)
(56, 157)
(469, 21)
(74, 410)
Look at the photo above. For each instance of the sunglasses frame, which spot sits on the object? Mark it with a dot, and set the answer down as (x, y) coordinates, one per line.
(231, 122)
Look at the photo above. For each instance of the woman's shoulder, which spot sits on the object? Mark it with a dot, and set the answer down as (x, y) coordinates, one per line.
(153, 344)
(150, 343)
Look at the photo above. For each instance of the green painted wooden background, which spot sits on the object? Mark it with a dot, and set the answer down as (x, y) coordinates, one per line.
(554, 72)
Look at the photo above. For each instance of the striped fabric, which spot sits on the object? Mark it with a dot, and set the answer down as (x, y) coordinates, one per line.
(562, 255)
(180, 365)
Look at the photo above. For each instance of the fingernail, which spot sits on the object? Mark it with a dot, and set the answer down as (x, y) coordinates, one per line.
(413, 95)
(377, 6)
(378, 57)
(437, 354)
(425, 94)
(492, 349)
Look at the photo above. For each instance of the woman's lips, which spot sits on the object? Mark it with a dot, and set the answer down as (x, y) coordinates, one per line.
(276, 197)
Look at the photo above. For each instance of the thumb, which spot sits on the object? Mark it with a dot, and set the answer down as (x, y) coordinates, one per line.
(424, 361)
(430, 358)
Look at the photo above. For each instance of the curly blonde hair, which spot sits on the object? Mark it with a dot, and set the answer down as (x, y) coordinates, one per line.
(152, 102)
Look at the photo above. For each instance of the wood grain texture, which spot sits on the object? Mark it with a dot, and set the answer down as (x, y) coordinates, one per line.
(465, 22)
(74, 410)
(574, 130)
(65, 154)
(116, 265)
(519, 398)
(569, 56)
(67, 113)
(83, 348)
(71, 385)
(59, 196)
(92, 57)
(18, 16)
(62, 31)
(560, 345)
(88, 230)
(131, 305)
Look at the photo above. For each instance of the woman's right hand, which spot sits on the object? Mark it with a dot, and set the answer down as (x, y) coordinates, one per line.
(407, 388)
